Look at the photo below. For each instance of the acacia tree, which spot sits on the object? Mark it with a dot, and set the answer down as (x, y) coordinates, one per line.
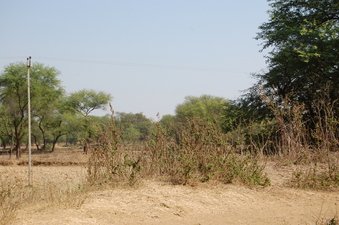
(45, 89)
(303, 63)
(83, 103)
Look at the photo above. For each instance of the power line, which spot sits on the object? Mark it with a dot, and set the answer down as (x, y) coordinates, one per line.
(130, 64)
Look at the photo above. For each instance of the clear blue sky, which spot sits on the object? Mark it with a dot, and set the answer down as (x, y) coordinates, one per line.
(148, 54)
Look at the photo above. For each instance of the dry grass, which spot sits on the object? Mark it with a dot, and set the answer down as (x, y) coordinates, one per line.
(62, 156)
(49, 189)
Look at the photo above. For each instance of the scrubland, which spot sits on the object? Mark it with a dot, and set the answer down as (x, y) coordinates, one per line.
(199, 178)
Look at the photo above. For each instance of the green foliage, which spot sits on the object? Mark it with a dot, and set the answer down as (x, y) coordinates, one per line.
(167, 120)
(85, 101)
(134, 127)
(316, 177)
(46, 91)
(205, 107)
(303, 62)
(296, 98)
(82, 103)
(49, 126)
(233, 116)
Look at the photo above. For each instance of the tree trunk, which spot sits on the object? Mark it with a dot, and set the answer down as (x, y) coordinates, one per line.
(17, 151)
(36, 143)
(85, 147)
(55, 141)
(17, 145)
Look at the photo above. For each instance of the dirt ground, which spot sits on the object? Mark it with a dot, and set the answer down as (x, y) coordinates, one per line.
(155, 202)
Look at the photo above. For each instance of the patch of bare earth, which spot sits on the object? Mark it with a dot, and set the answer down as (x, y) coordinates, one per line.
(155, 202)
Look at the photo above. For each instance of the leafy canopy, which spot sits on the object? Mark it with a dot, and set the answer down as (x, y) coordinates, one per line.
(85, 101)
(205, 107)
(303, 63)
(46, 92)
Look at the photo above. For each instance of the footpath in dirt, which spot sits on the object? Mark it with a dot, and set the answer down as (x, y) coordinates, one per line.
(162, 203)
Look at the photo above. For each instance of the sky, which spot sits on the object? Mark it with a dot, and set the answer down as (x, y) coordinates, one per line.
(148, 54)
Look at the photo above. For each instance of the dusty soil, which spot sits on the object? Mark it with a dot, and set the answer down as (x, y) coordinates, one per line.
(155, 202)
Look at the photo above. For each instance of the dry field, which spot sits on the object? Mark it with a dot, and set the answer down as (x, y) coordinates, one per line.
(60, 197)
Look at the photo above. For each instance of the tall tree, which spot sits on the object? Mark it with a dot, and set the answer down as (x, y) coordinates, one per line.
(45, 89)
(303, 63)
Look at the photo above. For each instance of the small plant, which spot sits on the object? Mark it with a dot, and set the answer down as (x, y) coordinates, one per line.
(327, 221)
(316, 178)
(333, 221)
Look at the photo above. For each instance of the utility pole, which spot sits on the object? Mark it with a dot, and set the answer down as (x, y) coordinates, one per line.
(29, 122)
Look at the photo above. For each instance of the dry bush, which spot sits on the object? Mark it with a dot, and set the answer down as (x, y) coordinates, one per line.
(199, 151)
(301, 144)
(326, 132)
(293, 140)
(109, 161)
(324, 151)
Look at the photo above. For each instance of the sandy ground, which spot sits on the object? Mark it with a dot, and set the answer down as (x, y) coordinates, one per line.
(162, 203)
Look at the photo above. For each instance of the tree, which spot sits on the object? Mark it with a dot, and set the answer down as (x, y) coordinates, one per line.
(83, 103)
(168, 120)
(135, 127)
(45, 89)
(51, 125)
(304, 60)
(6, 129)
(47, 116)
(205, 107)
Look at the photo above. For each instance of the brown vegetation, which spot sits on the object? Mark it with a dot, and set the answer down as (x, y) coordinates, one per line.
(196, 155)
(200, 157)
(62, 195)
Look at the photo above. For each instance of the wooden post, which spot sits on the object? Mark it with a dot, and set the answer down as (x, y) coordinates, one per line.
(29, 122)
